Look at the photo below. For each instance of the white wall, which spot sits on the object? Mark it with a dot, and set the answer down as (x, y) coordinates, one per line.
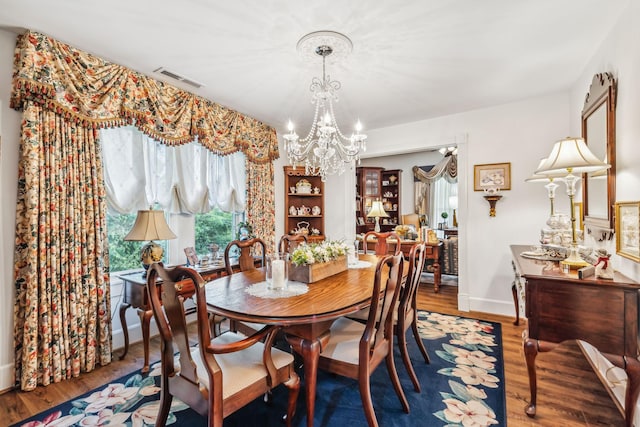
(619, 55)
(10, 134)
(520, 133)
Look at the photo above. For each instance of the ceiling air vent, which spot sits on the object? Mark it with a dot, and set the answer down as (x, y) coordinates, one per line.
(178, 77)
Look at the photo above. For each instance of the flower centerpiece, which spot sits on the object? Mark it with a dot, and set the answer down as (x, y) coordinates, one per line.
(314, 261)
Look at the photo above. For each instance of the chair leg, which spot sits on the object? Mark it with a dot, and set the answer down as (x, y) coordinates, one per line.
(367, 403)
(404, 352)
(165, 406)
(393, 374)
(416, 335)
(293, 384)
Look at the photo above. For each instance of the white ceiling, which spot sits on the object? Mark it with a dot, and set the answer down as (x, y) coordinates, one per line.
(411, 60)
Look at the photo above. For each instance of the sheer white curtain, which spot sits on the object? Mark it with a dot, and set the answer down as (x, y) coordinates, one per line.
(188, 179)
(442, 191)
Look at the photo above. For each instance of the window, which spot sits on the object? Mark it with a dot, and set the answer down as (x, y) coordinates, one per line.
(203, 193)
(442, 191)
(216, 227)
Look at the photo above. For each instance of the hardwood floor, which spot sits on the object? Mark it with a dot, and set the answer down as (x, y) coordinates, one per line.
(569, 393)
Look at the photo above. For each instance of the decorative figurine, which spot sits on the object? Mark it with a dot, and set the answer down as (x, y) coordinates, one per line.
(604, 269)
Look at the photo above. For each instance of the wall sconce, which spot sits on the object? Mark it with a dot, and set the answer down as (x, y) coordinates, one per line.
(492, 196)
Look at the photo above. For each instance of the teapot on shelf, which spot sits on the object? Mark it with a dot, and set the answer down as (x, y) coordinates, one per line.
(303, 228)
(303, 210)
(315, 210)
(292, 210)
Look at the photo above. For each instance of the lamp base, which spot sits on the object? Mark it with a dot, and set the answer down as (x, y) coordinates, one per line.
(574, 260)
(150, 253)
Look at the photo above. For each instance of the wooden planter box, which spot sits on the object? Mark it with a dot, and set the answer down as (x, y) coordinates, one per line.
(314, 272)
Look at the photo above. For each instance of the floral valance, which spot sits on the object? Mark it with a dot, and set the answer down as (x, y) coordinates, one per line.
(98, 94)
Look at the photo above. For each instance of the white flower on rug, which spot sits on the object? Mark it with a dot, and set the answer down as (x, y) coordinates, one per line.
(105, 417)
(464, 407)
(110, 396)
(473, 358)
(473, 413)
(472, 375)
(474, 340)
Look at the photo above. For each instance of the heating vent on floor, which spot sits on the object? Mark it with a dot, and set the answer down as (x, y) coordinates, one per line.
(178, 77)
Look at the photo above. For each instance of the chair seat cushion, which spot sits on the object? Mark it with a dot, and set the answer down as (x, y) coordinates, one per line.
(344, 342)
(239, 369)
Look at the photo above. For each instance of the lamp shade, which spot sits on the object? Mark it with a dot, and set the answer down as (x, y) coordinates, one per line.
(544, 176)
(377, 210)
(571, 155)
(453, 202)
(150, 225)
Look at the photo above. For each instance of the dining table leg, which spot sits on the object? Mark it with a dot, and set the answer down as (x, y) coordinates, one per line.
(309, 348)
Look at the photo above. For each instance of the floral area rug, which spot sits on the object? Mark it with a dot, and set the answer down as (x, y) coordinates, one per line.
(462, 386)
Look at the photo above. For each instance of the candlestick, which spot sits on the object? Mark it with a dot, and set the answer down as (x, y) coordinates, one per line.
(278, 278)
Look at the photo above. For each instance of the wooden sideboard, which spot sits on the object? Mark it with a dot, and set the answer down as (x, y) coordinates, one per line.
(559, 307)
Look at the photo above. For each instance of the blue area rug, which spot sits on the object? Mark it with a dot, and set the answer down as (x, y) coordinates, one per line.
(463, 386)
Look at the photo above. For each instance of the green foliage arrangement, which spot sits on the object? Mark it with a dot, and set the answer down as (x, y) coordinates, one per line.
(305, 254)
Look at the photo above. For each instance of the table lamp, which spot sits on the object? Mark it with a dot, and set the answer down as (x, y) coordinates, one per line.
(569, 156)
(376, 212)
(453, 204)
(150, 225)
(550, 184)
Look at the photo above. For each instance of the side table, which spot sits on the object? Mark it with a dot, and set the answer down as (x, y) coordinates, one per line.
(135, 295)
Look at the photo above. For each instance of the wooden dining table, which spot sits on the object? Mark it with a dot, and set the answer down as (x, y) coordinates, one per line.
(306, 318)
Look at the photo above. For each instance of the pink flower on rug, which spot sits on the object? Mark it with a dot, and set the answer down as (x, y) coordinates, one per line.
(55, 419)
(475, 376)
(470, 414)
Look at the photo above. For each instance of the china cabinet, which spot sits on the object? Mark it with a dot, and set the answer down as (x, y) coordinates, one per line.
(391, 198)
(377, 183)
(304, 204)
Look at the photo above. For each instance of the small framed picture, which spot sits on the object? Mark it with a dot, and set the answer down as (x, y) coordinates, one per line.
(627, 229)
(494, 176)
(360, 220)
(192, 257)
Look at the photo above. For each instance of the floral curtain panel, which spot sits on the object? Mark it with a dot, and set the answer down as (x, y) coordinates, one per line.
(62, 323)
(62, 307)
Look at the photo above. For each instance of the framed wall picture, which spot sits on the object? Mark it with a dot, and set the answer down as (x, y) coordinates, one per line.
(495, 176)
(627, 218)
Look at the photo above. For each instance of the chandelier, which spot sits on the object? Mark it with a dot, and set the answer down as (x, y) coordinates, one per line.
(325, 150)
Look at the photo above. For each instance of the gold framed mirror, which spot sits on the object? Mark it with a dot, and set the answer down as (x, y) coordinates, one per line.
(599, 132)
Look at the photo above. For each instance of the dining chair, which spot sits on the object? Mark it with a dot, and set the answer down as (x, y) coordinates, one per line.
(246, 261)
(220, 375)
(355, 350)
(406, 313)
(248, 250)
(288, 242)
(382, 246)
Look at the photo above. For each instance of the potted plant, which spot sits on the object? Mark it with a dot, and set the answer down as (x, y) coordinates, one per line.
(444, 216)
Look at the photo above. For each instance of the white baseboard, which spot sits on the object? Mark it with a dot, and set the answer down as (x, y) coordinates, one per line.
(7, 376)
(504, 308)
